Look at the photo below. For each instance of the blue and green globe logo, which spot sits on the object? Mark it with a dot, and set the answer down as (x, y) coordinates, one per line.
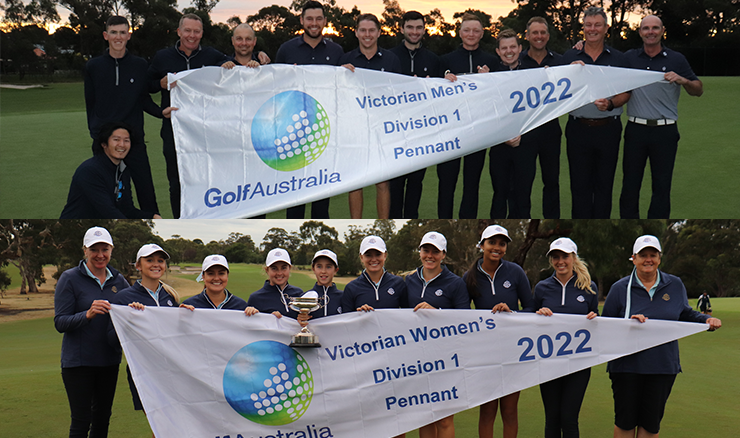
(268, 383)
(290, 131)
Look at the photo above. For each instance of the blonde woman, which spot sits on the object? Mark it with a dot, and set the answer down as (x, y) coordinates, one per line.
(151, 262)
(569, 290)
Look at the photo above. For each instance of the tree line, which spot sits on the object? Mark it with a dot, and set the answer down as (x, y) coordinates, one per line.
(700, 28)
(704, 253)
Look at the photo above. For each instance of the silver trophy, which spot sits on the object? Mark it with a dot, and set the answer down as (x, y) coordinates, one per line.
(306, 304)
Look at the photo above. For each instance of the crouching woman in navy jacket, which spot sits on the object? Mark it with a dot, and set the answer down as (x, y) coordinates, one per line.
(493, 283)
(215, 276)
(274, 297)
(570, 290)
(433, 286)
(89, 361)
(642, 382)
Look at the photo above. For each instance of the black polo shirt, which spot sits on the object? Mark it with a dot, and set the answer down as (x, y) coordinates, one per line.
(298, 51)
(609, 57)
(551, 59)
(658, 100)
(420, 62)
(383, 60)
(463, 61)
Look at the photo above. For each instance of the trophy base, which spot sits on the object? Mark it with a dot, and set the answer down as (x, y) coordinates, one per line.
(305, 340)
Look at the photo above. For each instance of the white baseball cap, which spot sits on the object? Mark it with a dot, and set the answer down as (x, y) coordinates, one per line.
(149, 249)
(646, 241)
(436, 239)
(326, 253)
(214, 260)
(277, 255)
(97, 235)
(494, 230)
(372, 242)
(563, 244)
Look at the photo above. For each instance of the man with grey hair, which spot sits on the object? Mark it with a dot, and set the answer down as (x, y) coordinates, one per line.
(652, 131)
(594, 131)
(186, 54)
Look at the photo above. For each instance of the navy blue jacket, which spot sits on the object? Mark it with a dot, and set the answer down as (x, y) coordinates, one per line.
(569, 299)
(445, 291)
(420, 62)
(334, 305)
(117, 90)
(138, 293)
(463, 61)
(670, 303)
(201, 301)
(298, 51)
(390, 294)
(509, 285)
(93, 195)
(173, 60)
(383, 60)
(550, 60)
(85, 341)
(270, 299)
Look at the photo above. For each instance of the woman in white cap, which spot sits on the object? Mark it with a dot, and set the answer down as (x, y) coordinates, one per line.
(325, 266)
(496, 284)
(569, 290)
(89, 362)
(642, 382)
(374, 288)
(433, 286)
(274, 297)
(151, 262)
(215, 276)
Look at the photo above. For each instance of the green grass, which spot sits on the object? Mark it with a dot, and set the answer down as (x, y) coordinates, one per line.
(44, 138)
(703, 402)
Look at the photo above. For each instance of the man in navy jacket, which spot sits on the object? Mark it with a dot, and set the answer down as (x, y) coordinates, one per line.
(117, 90)
(186, 54)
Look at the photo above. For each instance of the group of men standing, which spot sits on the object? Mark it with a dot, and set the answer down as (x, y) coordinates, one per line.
(593, 132)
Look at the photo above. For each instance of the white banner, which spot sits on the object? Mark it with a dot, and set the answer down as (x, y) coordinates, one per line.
(217, 373)
(250, 141)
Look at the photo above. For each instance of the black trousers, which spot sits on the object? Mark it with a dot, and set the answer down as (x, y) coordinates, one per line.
(472, 171)
(640, 399)
(170, 158)
(447, 174)
(319, 210)
(562, 399)
(406, 195)
(501, 168)
(544, 142)
(593, 152)
(137, 162)
(659, 144)
(90, 391)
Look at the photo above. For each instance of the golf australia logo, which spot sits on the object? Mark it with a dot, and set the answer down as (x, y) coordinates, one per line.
(290, 131)
(268, 383)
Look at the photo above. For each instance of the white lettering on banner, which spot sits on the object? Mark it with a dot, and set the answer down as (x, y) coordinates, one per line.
(371, 378)
(250, 141)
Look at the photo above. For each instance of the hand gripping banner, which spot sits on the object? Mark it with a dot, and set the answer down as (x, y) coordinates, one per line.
(250, 141)
(218, 373)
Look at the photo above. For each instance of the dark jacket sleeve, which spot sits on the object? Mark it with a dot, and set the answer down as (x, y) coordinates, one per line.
(462, 299)
(65, 317)
(348, 299)
(613, 306)
(127, 201)
(524, 291)
(594, 303)
(89, 97)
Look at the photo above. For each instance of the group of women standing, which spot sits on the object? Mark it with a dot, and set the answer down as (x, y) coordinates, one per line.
(641, 382)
